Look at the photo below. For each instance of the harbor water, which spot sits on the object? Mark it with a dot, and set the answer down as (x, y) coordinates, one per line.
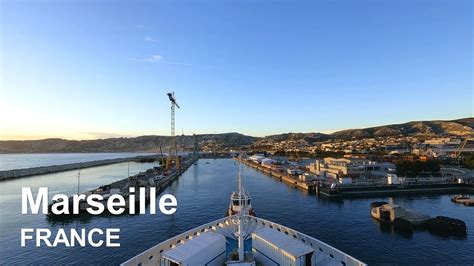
(203, 195)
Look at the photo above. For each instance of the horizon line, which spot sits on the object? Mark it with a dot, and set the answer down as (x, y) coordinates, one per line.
(326, 132)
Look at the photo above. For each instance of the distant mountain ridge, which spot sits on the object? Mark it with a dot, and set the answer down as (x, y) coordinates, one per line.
(138, 144)
(152, 143)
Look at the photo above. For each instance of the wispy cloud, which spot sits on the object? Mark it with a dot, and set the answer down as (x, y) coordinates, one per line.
(140, 26)
(158, 59)
(150, 59)
(150, 39)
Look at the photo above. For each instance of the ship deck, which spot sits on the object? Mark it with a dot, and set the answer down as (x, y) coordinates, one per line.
(323, 254)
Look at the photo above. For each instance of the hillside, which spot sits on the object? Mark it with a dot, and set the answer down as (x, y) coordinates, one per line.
(428, 128)
(460, 127)
(308, 137)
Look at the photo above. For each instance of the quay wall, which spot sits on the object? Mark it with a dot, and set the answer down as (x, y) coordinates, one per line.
(376, 191)
(282, 176)
(17, 173)
(366, 191)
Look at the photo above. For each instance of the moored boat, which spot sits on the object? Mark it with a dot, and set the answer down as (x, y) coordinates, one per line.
(388, 212)
(461, 199)
(404, 220)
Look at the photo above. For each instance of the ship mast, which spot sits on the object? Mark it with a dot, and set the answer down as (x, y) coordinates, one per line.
(242, 203)
(239, 179)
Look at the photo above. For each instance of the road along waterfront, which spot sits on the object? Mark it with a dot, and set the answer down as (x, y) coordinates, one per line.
(203, 196)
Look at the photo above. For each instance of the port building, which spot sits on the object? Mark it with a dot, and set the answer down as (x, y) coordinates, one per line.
(352, 168)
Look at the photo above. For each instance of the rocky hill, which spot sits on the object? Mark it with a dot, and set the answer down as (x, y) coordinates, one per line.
(308, 137)
(459, 127)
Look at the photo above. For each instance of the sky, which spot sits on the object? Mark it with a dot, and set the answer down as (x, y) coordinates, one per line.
(95, 69)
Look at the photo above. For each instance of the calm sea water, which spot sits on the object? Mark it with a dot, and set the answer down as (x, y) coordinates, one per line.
(203, 192)
(17, 161)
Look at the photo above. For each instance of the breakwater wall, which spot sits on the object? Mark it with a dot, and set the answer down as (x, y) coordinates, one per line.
(17, 173)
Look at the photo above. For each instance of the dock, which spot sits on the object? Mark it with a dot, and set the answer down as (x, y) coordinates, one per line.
(391, 190)
(162, 178)
(350, 191)
(153, 177)
(294, 181)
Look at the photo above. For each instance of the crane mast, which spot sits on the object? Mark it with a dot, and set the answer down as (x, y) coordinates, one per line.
(173, 155)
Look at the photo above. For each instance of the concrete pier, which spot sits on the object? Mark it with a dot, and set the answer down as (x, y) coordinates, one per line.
(17, 173)
(281, 176)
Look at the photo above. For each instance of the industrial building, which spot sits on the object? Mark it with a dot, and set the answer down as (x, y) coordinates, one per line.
(346, 169)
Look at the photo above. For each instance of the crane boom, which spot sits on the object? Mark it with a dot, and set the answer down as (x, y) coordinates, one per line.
(461, 147)
(172, 98)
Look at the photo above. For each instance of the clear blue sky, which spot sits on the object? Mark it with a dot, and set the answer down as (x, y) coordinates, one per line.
(89, 69)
